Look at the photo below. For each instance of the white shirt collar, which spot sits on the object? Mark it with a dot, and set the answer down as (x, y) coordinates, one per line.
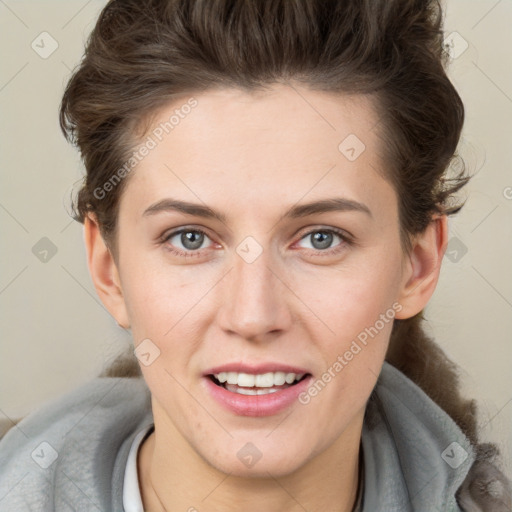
(132, 500)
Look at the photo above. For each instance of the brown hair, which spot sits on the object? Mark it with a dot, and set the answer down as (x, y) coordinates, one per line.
(142, 54)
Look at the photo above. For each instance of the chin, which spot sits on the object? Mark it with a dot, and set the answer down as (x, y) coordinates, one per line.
(258, 459)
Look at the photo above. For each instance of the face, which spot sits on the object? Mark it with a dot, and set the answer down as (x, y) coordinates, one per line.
(225, 271)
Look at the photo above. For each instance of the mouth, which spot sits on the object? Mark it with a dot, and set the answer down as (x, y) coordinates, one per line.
(257, 384)
(263, 389)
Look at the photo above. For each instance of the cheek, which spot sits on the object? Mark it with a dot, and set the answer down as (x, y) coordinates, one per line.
(157, 297)
(359, 311)
(169, 307)
(348, 300)
(356, 307)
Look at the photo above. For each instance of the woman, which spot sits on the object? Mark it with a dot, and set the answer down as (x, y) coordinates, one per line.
(304, 145)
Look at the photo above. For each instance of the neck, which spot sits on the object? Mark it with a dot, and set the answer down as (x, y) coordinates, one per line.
(174, 477)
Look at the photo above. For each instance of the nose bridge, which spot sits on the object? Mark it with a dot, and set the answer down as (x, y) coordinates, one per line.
(254, 303)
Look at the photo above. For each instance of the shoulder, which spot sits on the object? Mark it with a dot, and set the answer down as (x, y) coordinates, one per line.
(417, 458)
(70, 450)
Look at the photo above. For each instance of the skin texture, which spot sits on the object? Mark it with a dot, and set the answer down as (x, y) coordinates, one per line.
(252, 157)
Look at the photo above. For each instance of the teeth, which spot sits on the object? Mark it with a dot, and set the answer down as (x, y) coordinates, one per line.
(248, 391)
(222, 377)
(263, 380)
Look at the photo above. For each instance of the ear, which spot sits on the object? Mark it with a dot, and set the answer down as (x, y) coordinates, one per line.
(422, 266)
(104, 272)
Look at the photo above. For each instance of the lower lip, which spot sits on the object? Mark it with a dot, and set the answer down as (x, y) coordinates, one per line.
(256, 405)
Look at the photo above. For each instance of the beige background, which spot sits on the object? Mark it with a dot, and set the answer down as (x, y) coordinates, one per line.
(55, 334)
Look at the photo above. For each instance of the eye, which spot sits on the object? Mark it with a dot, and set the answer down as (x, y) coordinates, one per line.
(185, 242)
(188, 242)
(321, 240)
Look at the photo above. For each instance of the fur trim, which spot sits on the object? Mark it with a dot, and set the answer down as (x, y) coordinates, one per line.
(486, 488)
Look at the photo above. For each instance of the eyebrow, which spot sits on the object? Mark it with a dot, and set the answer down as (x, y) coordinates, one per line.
(335, 204)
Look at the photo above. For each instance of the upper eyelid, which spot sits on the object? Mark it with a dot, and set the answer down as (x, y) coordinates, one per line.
(337, 231)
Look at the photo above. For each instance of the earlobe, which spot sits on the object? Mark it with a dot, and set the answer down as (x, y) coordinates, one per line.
(104, 272)
(423, 265)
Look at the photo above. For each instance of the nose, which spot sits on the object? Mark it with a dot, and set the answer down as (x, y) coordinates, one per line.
(255, 300)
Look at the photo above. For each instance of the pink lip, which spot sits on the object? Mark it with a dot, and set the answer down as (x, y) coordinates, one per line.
(256, 405)
(255, 369)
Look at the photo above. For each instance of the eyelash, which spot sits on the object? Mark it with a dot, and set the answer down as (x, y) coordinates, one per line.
(345, 238)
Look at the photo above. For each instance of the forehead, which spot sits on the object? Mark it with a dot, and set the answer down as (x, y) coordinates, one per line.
(254, 148)
(281, 115)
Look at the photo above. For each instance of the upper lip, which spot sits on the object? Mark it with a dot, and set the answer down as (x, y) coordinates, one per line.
(255, 369)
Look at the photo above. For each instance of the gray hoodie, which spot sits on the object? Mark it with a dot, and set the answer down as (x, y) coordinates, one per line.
(71, 453)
